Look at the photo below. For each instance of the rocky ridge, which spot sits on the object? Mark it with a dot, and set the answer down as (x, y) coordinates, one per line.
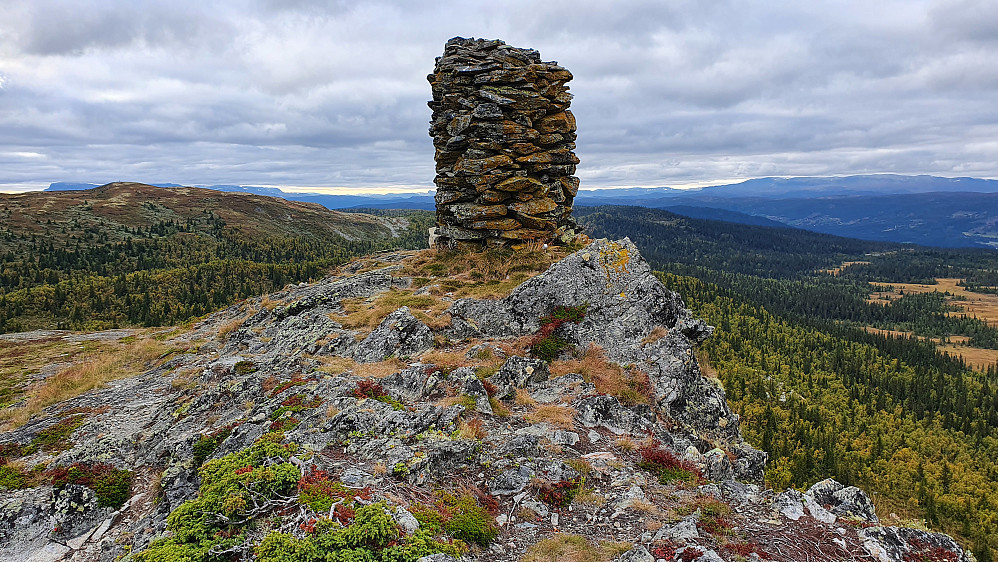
(504, 140)
(451, 430)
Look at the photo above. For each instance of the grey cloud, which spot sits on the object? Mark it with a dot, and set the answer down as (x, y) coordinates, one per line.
(327, 92)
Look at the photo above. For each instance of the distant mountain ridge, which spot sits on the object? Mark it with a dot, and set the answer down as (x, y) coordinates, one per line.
(928, 210)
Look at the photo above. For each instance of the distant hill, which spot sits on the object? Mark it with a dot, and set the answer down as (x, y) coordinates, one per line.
(932, 219)
(368, 201)
(121, 207)
(928, 210)
(136, 254)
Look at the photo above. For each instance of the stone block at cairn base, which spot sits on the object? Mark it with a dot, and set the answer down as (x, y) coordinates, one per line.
(504, 140)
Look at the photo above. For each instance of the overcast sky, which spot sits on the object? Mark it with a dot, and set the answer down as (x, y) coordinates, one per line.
(306, 93)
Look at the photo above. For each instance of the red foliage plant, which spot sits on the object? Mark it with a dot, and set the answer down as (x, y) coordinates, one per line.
(924, 552)
(666, 465)
(368, 389)
(486, 500)
(558, 494)
(690, 554)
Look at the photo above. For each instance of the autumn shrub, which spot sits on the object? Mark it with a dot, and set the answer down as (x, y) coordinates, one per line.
(558, 494)
(111, 485)
(546, 344)
(461, 515)
(13, 477)
(283, 424)
(295, 381)
(922, 551)
(10, 451)
(235, 490)
(319, 491)
(374, 390)
(244, 367)
(372, 537)
(207, 444)
(56, 436)
(666, 466)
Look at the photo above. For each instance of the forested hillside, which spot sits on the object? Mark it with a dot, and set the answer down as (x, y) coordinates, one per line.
(132, 254)
(821, 395)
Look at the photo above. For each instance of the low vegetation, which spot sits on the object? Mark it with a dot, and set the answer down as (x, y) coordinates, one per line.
(90, 365)
(573, 548)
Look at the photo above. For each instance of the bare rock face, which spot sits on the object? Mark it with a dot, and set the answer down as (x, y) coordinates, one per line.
(504, 139)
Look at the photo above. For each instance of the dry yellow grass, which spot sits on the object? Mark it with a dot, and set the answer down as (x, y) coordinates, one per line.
(573, 548)
(230, 327)
(379, 370)
(365, 314)
(471, 429)
(630, 386)
(626, 443)
(481, 274)
(446, 360)
(554, 414)
(523, 398)
(335, 365)
(976, 357)
(656, 334)
(645, 507)
(269, 303)
(90, 370)
(706, 369)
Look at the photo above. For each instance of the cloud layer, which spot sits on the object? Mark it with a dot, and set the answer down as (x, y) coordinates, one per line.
(333, 93)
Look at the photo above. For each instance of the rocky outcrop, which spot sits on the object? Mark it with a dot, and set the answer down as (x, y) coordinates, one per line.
(625, 303)
(504, 140)
(400, 334)
(900, 544)
(538, 451)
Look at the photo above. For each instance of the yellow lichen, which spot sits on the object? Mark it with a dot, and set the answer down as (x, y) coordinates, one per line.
(614, 258)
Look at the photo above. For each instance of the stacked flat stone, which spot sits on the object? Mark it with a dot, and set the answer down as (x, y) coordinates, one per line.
(504, 139)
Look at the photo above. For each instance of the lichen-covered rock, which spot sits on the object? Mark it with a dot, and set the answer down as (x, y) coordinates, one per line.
(636, 554)
(25, 524)
(900, 544)
(845, 501)
(400, 334)
(518, 372)
(624, 303)
(504, 138)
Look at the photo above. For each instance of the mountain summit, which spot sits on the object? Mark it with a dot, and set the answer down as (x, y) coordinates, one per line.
(428, 406)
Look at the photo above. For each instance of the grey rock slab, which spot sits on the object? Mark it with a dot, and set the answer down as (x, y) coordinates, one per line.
(845, 501)
(717, 466)
(510, 482)
(685, 530)
(709, 556)
(817, 511)
(400, 334)
(518, 372)
(405, 520)
(898, 544)
(790, 503)
(637, 554)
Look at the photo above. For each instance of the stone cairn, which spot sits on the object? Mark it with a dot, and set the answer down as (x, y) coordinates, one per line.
(504, 139)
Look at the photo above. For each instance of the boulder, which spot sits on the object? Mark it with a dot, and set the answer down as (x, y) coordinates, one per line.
(899, 544)
(844, 501)
(400, 334)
